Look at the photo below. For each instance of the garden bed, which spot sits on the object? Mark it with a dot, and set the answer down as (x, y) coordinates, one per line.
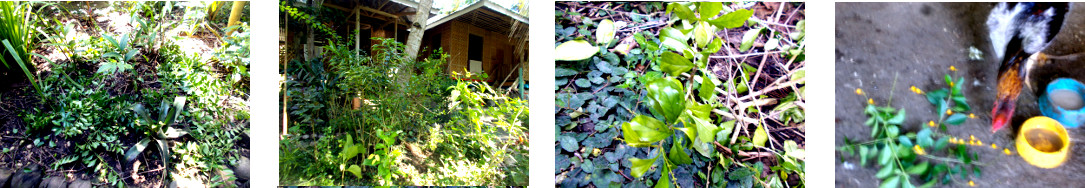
(633, 77)
(72, 117)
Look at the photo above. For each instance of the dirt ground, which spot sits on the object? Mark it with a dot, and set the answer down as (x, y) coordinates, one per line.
(876, 42)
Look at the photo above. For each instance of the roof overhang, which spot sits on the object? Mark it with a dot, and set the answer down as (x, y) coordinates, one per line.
(438, 20)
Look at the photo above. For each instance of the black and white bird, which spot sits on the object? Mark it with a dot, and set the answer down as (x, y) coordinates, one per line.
(1017, 31)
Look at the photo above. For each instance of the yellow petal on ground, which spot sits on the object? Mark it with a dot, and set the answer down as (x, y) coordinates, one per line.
(858, 91)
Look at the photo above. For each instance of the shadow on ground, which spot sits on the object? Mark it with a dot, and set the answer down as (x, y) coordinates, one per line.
(915, 43)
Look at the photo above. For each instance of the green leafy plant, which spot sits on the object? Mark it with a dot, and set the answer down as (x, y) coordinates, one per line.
(158, 129)
(15, 27)
(23, 66)
(384, 156)
(668, 98)
(117, 59)
(905, 156)
(661, 101)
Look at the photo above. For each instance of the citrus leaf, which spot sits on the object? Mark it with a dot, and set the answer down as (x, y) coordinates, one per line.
(709, 9)
(733, 19)
(666, 97)
(675, 64)
(682, 11)
(644, 130)
(760, 136)
(641, 165)
(708, 88)
(749, 38)
(677, 155)
(703, 34)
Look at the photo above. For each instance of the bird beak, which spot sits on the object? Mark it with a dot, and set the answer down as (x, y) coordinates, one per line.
(1009, 87)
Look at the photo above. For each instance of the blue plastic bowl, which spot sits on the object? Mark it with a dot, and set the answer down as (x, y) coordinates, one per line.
(1070, 96)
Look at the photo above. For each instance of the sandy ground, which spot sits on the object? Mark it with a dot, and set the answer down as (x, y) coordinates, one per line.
(876, 42)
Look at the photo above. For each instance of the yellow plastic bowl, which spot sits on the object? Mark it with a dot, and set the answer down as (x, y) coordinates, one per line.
(1043, 142)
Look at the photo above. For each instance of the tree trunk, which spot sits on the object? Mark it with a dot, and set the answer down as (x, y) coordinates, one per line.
(414, 39)
(235, 15)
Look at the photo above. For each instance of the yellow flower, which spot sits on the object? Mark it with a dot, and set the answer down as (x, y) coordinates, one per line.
(978, 142)
(993, 146)
(1007, 151)
(971, 115)
(917, 90)
(952, 68)
(970, 183)
(972, 136)
(870, 101)
(949, 112)
(859, 91)
(931, 123)
(918, 150)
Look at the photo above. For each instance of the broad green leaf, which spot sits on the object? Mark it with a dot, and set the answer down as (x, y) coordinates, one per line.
(356, 170)
(641, 165)
(892, 182)
(675, 64)
(583, 83)
(713, 46)
(919, 169)
(682, 11)
(135, 150)
(703, 34)
(708, 88)
(749, 38)
(666, 96)
(960, 104)
(733, 19)
(904, 141)
(568, 143)
(884, 172)
(644, 130)
(709, 9)
(883, 158)
(670, 32)
(923, 138)
(705, 148)
(892, 130)
(941, 143)
(574, 50)
(563, 72)
(863, 155)
(799, 75)
(760, 136)
(678, 154)
(956, 119)
(604, 33)
(665, 179)
(705, 129)
(937, 96)
(675, 44)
